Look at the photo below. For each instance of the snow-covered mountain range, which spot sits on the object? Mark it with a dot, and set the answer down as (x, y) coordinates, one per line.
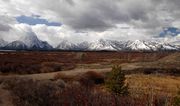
(113, 45)
(33, 43)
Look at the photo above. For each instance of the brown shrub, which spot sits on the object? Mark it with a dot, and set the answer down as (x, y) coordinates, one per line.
(64, 77)
(51, 66)
(90, 78)
(28, 92)
(55, 66)
(30, 62)
(157, 70)
(19, 68)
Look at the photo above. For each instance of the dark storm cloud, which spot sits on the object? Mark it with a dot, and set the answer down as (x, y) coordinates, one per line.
(104, 14)
(100, 15)
(89, 22)
(71, 2)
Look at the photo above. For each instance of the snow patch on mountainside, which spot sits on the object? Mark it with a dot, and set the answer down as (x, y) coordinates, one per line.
(101, 45)
(138, 45)
(16, 45)
(113, 45)
(32, 42)
(66, 45)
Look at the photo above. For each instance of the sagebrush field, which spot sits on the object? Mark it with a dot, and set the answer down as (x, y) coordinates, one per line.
(79, 78)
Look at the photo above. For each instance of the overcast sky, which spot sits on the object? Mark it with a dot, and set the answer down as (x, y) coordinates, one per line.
(88, 20)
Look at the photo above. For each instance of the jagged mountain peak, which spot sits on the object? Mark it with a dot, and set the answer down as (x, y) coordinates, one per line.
(66, 45)
(138, 45)
(30, 40)
(33, 42)
(16, 45)
(101, 44)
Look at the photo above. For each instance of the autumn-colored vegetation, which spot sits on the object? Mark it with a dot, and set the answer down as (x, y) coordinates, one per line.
(40, 62)
(28, 92)
(141, 79)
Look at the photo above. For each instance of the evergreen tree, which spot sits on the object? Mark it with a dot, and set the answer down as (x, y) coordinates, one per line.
(116, 81)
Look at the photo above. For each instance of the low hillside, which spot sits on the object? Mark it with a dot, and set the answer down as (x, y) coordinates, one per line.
(169, 64)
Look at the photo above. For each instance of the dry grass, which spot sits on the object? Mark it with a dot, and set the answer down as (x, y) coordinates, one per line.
(94, 66)
(171, 58)
(138, 83)
(28, 92)
(153, 83)
(38, 62)
(64, 77)
(167, 65)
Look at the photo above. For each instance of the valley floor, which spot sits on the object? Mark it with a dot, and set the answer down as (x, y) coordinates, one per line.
(141, 69)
